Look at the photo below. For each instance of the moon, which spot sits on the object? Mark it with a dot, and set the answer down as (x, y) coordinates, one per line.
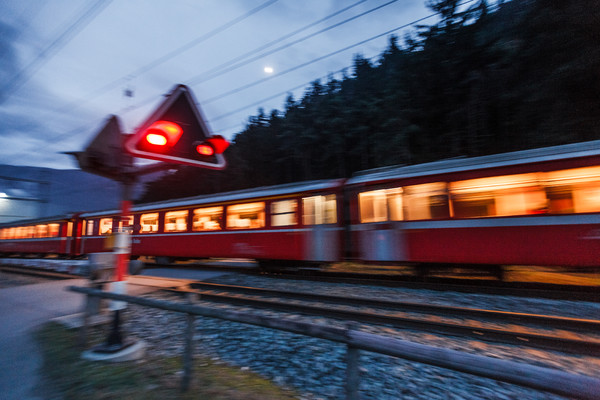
(268, 70)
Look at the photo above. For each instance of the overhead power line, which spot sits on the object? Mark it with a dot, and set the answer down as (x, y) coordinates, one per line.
(254, 104)
(26, 73)
(164, 58)
(230, 65)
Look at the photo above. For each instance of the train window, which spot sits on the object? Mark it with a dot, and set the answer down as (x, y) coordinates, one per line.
(573, 190)
(41, 231)
(498, 196)
(373, 206)
(284, 213)
(176, 221)
(106, 225)
(319, 210)
(90, 228)
(246, 216)
(126, 222)
(53, 230)
(29, 232)
(207, 219)
(426, 201)
(69, 229)
(149, 223)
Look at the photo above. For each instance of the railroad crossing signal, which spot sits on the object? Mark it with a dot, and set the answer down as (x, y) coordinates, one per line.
(104, 155)
(176, 132)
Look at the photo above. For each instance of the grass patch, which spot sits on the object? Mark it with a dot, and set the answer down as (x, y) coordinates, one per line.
(147, 379)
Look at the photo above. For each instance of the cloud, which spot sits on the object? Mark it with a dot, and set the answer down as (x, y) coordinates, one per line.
(9, 61)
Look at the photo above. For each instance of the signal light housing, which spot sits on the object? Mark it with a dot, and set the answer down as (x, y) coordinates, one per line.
(177, 132)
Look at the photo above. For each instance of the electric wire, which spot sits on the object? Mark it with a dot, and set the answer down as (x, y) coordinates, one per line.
(29, 71)
(230, 65)
(164, 58)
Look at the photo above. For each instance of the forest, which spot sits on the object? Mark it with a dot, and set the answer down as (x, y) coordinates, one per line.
(487, 79)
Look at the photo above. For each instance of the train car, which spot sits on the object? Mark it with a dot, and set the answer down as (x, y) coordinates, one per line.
(533, 207)
(300, 221)
(51, 236)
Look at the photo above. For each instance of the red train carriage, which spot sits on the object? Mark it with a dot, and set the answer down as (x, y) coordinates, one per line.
(41, 237)
(300, 221)
(534, 207)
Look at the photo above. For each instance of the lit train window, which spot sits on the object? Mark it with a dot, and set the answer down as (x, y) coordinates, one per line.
(426, 201)
(498, 196)
(53, 230)
(41, 231)
(106, 225)
(149, 223)
(319, 210)
(246, 216)
(207, 219)
(176, 221)
(573, 190)
(90, 228)
(126, 222)
(373, 206)
(284, 213)
(29, 232)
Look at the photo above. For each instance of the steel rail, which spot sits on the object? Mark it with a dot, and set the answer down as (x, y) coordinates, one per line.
(553, 321)
(536, 340)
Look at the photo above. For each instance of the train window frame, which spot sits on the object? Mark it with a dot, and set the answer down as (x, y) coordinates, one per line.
(41, 231)
(234, 211)
(105, 226)
(437, 205)
(284, 212)
(90, 226)
(320, 215)
(508, 195)
(150, 215)
(177, 225)
(128, 227)
(205, 219)
(573, 190)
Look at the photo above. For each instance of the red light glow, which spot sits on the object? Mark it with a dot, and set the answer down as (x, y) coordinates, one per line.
(156, 139)
(205, 150)
(163, 133)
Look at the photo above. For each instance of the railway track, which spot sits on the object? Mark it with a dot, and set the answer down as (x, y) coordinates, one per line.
(570, 335)
(483, 286)
(32, 271)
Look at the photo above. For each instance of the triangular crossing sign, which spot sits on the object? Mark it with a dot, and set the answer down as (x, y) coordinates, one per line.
(174, 132)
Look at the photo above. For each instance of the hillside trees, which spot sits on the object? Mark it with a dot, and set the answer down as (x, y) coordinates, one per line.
(486, 79)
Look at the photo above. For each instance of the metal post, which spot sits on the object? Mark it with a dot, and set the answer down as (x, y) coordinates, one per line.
(115, 341)
(188, 355)
(352, 371)
(188, 367)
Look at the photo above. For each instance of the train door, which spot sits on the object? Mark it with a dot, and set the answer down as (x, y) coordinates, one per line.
(320, 219)
(379, 234)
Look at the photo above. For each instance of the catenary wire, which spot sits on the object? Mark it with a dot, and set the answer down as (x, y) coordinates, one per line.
(166, 57)
(28, 71)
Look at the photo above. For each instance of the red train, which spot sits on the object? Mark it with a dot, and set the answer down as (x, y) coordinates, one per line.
(533, 207)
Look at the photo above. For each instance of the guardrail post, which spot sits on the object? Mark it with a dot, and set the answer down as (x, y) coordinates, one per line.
(352, 369)
(188, 367)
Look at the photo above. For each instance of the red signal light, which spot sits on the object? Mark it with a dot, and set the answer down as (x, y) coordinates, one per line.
(205, 149)
(163, 133)
(219, 143)
(211, 146)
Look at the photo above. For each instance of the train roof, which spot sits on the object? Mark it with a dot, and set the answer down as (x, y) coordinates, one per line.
(35, 221)
(245, 194)
(554, 153)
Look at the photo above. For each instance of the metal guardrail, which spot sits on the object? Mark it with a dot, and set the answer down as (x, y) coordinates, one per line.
(540, 378)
